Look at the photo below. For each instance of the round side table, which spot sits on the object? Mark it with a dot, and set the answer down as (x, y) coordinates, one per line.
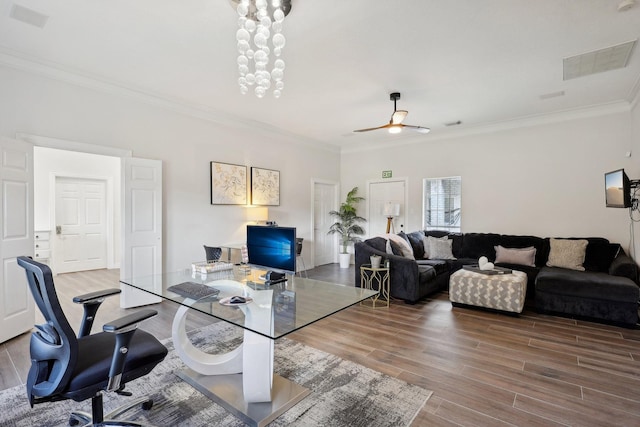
(376, 279)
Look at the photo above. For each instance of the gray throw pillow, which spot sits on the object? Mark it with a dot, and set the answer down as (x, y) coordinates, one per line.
(567, 253)
(440, 249)
(427, 245)
(520, 256)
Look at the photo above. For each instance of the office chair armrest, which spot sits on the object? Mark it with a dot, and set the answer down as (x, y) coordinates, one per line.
(122, 324)
(97, 296)
(124, 328)
(91, 302)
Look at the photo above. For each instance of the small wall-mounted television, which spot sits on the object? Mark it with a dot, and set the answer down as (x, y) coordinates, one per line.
(617, 189)
(272, 247)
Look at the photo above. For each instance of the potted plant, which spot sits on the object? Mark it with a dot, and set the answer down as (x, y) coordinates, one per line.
(347, 225)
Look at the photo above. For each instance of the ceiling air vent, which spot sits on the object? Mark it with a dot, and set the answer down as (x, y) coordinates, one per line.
(597, 61)
(28, 16)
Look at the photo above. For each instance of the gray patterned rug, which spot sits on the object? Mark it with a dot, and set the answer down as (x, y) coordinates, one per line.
(343, 393)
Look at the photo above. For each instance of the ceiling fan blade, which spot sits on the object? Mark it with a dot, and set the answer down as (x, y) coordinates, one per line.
(420, 129)
(376, 128)
(398, 116)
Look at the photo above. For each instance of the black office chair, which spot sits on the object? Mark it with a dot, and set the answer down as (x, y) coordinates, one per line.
(66, 367)
(299, 256)
(213, 253)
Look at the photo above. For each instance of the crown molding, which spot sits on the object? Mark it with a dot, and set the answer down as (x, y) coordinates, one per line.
(55, 71)
(64, 144)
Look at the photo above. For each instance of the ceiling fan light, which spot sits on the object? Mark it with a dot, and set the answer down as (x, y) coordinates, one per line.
(395, 129)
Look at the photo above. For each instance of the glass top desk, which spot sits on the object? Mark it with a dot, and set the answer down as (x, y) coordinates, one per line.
(242, 380)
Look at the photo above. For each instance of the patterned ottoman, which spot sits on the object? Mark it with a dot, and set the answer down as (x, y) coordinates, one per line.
(504, 292)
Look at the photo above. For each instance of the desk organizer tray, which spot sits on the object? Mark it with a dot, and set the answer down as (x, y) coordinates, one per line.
(494, 271)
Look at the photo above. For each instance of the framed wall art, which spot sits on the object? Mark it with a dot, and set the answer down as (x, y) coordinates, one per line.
(265, 187)
(228, 184)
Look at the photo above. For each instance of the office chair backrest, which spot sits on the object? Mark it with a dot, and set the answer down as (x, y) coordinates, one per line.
(213, 253)
(299, 241)
(54, 346)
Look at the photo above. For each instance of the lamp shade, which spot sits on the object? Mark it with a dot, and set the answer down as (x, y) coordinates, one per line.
(391, 209)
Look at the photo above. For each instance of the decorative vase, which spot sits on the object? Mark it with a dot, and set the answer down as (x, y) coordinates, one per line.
(345, 260)
(375, 261)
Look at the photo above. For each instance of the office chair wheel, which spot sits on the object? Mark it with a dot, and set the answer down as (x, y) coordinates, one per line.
(147, 405)
(74, 421)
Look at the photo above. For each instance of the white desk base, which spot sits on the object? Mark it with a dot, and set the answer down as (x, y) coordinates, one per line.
(227, 391)
(242, 380)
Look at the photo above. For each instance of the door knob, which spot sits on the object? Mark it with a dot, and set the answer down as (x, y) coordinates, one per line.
(58, 229)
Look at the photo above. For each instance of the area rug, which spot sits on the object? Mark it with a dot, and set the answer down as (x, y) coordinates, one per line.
(343, 393)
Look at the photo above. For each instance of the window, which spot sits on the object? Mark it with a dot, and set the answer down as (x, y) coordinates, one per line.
(441, 203)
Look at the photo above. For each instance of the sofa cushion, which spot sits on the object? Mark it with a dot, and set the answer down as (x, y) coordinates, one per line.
(403, 248)
(416, 241)
(440, 249)
(426, 273)
(586, 284)
(522, 256)
(456, 247)
(427, 244)
(599, 254)
(440, 266)
(377, 243)
(541, 245)
(480, 244)
(393, 248)
(567, 253)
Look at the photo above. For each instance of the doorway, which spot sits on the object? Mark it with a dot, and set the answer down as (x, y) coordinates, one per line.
(77, 202)
(325, 199)
(388, 191)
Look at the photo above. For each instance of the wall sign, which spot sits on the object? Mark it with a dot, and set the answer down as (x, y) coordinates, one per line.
(387, 174)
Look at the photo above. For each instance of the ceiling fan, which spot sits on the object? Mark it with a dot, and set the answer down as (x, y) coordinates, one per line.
(395, 124)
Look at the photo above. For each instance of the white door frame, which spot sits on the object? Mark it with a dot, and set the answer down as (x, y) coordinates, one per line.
(336, 186)
(81, 147)
(403, 217)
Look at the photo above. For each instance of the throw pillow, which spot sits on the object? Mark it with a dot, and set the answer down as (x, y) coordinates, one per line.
(393, 248)
(404, 245)
(567, 253)
(520, 256)
(440, 249)
(416, 239)
(427, 244)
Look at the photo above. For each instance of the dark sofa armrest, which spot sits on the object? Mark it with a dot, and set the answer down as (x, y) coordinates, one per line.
(624, 266)
(402, 269)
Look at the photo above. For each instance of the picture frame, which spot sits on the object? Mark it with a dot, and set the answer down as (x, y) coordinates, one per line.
(265, 187)
(228, 184)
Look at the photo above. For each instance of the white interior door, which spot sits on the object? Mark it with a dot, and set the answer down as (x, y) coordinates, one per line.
(381, 192)
(142, 228)
(325, 196)
(17, 308)
(81, 225)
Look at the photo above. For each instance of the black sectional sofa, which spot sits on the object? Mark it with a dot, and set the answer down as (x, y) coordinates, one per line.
(607, 290)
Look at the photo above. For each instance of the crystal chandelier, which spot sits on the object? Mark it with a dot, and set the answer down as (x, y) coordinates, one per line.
(259, 35)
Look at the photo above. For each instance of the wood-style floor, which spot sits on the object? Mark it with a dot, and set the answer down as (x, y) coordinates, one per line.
(485, 369)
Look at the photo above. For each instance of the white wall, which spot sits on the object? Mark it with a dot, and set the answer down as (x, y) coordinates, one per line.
(50, 163)
(545, 180)
(37, 105)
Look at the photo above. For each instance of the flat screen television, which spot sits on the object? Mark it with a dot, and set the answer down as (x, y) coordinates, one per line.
(617, 189)
(273, 248)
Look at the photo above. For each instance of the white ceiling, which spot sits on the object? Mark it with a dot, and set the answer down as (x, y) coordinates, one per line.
(478, 61)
